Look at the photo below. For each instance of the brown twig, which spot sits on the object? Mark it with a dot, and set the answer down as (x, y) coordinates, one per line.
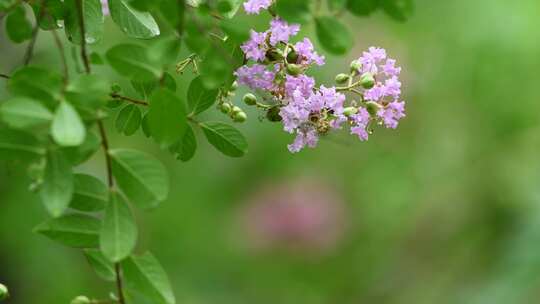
(129, 99)
(30, 49)
(4, 76)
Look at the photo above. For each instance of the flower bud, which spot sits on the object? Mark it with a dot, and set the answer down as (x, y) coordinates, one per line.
(225, 108)
(273, 55)
(240, 116)
(342, 78)
(4, 293)
(356, 65)
(292, 57)
(234, 86)
(372, 107)
(367, 81)
(81, 300)
(273, 114)
(350, 111)
(236, 109)
(250, 99)
(294, 69)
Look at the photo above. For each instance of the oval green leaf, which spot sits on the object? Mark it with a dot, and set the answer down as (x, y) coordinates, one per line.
(135, 24)
(90, 194)
(142, 178)
(23, 112)
(57, 189)
(167, 119)
(118, 234)
(74, 230)
(128, 120)
(67, 128)
(103, 267)
(333, 35)
(225, 138)
(146, 278)
(131, 61)
(199, 97)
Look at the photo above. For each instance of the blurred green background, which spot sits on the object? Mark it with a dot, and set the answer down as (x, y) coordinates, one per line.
(446, 209)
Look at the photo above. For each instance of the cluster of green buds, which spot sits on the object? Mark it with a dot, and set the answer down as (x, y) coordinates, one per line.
(227, 107)
(367, 80)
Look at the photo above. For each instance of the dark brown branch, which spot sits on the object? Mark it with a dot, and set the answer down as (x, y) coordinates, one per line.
(84, 55)
(119, 286)
(129, 99)
(4, 76)
(105, 146)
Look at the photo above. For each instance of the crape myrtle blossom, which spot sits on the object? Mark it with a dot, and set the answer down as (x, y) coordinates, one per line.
(255, 6)
(278, 70)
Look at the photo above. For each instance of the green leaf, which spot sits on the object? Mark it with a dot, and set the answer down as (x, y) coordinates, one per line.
(74, 230)
(79, 154)
(16, 145)
(23, 112)
(362, 8)
(134, 23)
(333, 35)
(336, 5)
(167, 117)
(93, 21)
(88, 92)
(103, 268)
(37, 83)
(399, 10)
(229, 8)
(57, 189)
(294, 10)
(217, 67)
(173, 11)
(54, 10)
(200, 98)
(225, 138)
(67, 128)
(118, 234)
(186, 147)
(238, 30)
(164, 51)
(142, 178)
(145, 277)
(128, 120)
(131, 61)
(90, 194)
(18, 28)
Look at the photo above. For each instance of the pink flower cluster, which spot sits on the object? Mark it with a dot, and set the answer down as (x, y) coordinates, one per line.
(309, 111)
(255, 6)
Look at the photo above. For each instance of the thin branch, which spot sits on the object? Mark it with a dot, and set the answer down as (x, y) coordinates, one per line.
(105, 146)
(84, 55)
(119, 284)
(30, 48)
(60, 47)
(4, 76)
(129, 99)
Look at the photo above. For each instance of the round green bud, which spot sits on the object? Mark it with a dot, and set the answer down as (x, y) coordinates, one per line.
(292, 57)
(225, 108)
(372, 107)
(273, 114)
(356, 65)
(236, 109)
(367, 81)
(81, 300)
(273, 55)
(342, 78)
(4, 293)
(240, 116)
(250, 99)
(234, 86)
(294, 69)
(350, 111)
